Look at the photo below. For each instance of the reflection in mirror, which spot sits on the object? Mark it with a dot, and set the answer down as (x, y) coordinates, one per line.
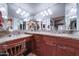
(73, 25)
(43, 25)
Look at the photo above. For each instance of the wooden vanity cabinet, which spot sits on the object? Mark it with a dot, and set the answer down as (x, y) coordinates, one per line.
(65, 51)
(37, 45)
(44, 45)
(77, 52)
(50, 45)
(0, 48)
(65, 47)
(55, 46)
(15, 45)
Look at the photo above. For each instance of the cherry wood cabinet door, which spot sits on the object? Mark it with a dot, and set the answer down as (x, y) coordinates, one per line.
(1, 48)
(38, 49)
(55, 46)
(50, 45)
(43, 50)
(65, 51)
(59, 51)
(43, 46)
(38, 45)
(50, 50)
(77, 52)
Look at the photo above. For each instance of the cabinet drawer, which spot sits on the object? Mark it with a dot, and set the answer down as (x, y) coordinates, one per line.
(49, 40)
(68, 42)
(37, 36)
(71, 42)
(28, 39)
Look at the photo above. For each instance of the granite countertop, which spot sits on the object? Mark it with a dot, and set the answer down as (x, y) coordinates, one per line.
(13, 37)
(74, 36)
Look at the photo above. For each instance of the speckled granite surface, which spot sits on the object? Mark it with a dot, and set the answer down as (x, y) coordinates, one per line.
(74, 36)
(14, 37)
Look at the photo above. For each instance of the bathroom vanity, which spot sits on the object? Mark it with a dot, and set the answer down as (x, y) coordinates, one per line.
(12, 45)
(52, 44)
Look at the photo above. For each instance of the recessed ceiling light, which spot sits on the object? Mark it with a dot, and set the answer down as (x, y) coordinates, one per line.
(18, 11)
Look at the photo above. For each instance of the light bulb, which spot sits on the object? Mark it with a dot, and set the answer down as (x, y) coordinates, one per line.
(18, 11)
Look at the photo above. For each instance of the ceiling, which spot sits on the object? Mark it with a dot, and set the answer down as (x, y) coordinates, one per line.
(35, 8)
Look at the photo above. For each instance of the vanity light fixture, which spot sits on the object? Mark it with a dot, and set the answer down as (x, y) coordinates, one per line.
(73, 10)
(25, 19)
(23, 13)
(2, 9)
(45, 12)
(5, 17)
(27, 14)
(42, 14)
(18, 11)
(49, 11)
